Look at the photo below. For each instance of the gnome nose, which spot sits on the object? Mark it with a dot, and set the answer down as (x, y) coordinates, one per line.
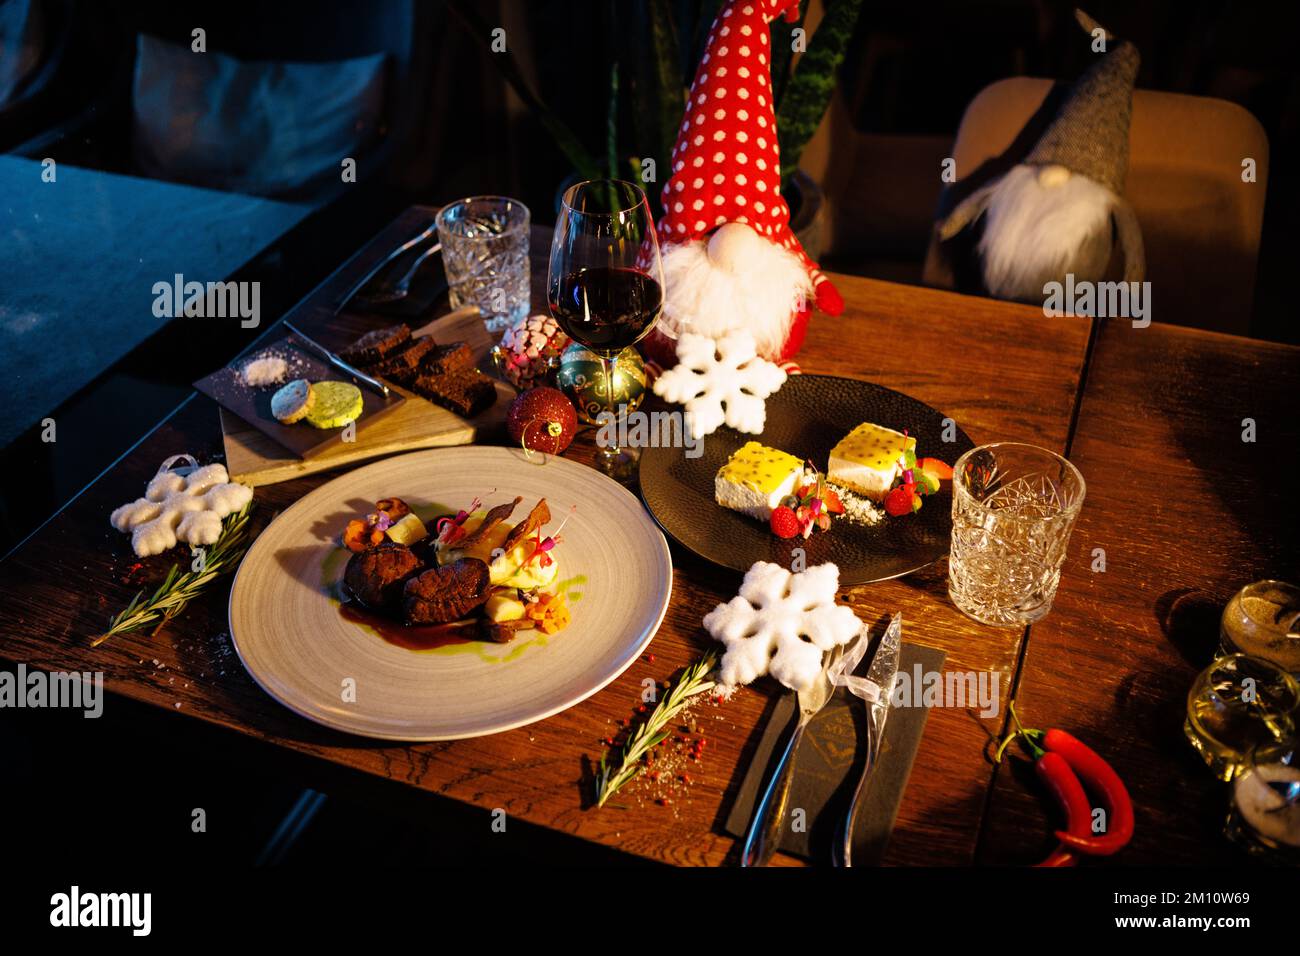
(1053, 175)
(733, 245)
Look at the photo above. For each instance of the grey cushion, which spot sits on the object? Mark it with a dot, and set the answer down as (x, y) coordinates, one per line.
(22, 41)
(262, 128)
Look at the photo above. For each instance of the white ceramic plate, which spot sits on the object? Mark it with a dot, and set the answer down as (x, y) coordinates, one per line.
(288, 630)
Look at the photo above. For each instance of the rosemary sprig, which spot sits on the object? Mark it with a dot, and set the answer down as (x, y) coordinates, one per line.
(179, 588)
(612, 778)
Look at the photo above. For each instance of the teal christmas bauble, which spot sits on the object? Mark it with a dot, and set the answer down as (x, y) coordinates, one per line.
(581, 377)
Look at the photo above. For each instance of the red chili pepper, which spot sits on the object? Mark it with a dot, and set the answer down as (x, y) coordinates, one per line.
(1060, 778)
(1098, 774)
(1094, 772)
(1054, 771)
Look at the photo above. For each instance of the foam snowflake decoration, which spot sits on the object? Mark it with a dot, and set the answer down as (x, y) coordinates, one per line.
(781, 623)
(720, 380)
(181, 504)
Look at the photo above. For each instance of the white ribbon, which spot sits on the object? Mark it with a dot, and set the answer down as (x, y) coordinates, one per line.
(840, 673)
(191, 463)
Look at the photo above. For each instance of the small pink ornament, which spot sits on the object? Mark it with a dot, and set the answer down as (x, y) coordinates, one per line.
(529, 350)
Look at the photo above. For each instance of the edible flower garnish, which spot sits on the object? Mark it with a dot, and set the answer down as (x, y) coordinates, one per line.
(451, 529)
(543, 545)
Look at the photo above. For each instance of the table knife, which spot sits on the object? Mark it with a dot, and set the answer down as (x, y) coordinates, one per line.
(883, 670)
(765, 829)
(337, 362)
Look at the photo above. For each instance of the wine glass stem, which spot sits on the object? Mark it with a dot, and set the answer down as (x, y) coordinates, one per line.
(611, 450)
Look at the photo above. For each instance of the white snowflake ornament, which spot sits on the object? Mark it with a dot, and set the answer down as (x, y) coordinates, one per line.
(720, 380)
(182, 504)
(781, 623)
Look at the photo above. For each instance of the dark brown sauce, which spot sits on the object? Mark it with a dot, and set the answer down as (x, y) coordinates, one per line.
(416, 637)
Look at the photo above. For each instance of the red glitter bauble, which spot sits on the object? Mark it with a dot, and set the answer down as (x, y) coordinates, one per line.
(542, 419)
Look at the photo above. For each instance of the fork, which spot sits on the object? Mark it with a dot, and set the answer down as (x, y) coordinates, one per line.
(402, 287)
(383, 264)
(764, 834)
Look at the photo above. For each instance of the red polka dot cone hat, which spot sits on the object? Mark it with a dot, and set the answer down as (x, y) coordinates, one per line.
(730, 258)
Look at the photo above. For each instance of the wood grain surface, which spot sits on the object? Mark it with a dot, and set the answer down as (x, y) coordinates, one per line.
(1186, 513)
(1001, 371)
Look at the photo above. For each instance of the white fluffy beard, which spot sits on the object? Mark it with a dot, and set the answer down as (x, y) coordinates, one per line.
(709, 299)
(1035, 234)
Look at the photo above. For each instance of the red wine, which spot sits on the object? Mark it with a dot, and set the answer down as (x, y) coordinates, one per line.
(606, 309)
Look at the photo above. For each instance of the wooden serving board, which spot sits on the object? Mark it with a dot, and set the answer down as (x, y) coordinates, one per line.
(255, 459)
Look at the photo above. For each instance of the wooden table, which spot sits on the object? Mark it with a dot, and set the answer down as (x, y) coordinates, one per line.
(1186, 512)
(1002, 371)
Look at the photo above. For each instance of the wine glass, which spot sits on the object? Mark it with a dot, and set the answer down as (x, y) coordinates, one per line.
(605, 285)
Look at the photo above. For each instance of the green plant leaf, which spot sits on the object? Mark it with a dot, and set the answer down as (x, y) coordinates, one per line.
(783, 51)
(611, 123)
(668, 92)
(465, 12)
(708, 12)
(809, 91)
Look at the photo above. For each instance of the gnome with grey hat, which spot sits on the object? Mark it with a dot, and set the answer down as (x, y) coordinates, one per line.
(1062, 208)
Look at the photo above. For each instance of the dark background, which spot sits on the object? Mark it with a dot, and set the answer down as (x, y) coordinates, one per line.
(454, 127)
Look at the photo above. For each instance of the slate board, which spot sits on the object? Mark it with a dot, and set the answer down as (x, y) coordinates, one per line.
(253, 405)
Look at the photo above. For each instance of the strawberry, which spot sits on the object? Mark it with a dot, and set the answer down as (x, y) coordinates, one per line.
(832, 501)
(899, 501)
(783, 522)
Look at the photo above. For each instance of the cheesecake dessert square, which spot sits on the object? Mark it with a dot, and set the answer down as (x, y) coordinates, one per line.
(867, 459)
(755, 479)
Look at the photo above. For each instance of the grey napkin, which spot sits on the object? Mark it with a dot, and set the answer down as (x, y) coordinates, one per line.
(827, 767)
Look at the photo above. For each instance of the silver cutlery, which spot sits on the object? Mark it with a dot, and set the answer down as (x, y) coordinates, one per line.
(882, 671)
(337, 362)
(765, 830)
(402, 287)
(383, 264)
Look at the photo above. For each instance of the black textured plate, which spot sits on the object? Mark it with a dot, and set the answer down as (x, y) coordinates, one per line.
(806, 418)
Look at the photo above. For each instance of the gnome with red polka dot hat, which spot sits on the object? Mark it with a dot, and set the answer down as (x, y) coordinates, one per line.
(730, 260)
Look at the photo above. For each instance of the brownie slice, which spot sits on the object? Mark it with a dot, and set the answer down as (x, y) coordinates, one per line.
(465, 391)
(452, 357)
(403, 365)
(377, 345)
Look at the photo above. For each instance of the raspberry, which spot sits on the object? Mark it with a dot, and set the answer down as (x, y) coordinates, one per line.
(784, 523)
(899, 501)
